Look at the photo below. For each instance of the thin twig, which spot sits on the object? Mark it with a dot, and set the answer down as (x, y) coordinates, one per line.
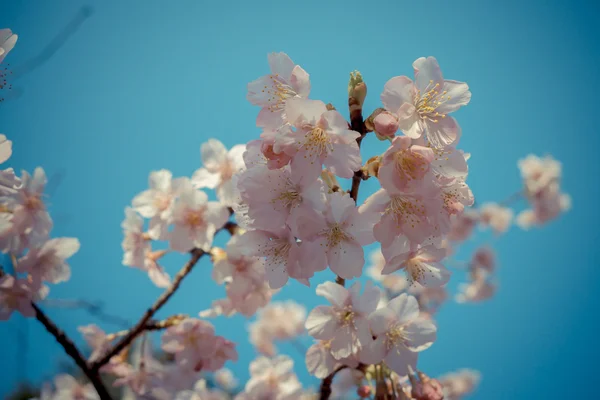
(73, 352)
(139, 327)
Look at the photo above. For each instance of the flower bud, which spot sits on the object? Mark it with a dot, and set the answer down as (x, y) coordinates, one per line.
(371, 167)
(357, 89)
(274, 160)
(364, 392)
(425, 388)
(385, 125)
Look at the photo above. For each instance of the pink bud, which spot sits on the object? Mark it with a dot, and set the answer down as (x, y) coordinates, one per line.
(385, 125)
(275, 160)
(364, 391)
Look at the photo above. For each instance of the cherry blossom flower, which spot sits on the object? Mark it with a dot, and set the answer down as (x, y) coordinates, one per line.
(247, 295)
(340, 233)
(386, 125)
(17, 295)
(193, 342)
(196, 220)
(219, 167)
(277, 321)
(425, 388)
(538, 172)
(201, 392)
(345, 321)
(30, 220)
(320, 137)
(158, 202)
(233, 263)
(400, 333)
(393, 282)
(283, 256)
(484, 259)
(271, 92)
(68, 387)
(422, 106)
(96, 338)
(272, 379)
(225, 378)
(476, 291)
(422, 266)
(461, 226)
(136, 241)
(7, 42)
(9, 185)
(458, 384)
(547, 205)
(48, 262)
(273, 194)
(5, 146)
(496, 216)
(404, 165)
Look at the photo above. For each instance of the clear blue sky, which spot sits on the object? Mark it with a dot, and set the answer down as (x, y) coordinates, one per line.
(143, 83)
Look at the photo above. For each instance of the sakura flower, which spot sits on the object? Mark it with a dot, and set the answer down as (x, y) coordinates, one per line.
(400, 333)
(538, 172)
(196, 220)
(201, 392)
(415, 215)
(422, 106)
(271, 92)
(496, 216)
(7, 42)
(68, 387)
(484, 259)
(135, 242)
(273, 194)
(283, 256)
(272, 379)
(17, 295)
(422, 266)
(321, 137)
(31, 222)
(234, 263)
(284, 320)
(5, 147)
(547, 205)
(158, 202)
(392, 282)
(142, 379)
(193, 342)
(48, 262)
(225, 378)
(404, 165)
(462, 225)
(345, 321)
(224, 351)
(96, 338)
(425, 388)
(219, 167)
(460, 383)
(340, 233)
(319, 361)
(248, 295)
(386, 125)
(476, 291)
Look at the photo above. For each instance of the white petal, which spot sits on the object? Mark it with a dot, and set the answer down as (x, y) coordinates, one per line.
(213, 154)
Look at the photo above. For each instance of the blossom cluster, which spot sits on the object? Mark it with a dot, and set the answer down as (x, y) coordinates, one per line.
(292, 221)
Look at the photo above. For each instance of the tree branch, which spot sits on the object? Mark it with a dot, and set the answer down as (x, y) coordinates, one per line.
(140, 326)
(325, 388)
(73, 352)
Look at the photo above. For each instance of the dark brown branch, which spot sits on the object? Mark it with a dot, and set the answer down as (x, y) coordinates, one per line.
(140, 326)
(73, 352)
(325, 389)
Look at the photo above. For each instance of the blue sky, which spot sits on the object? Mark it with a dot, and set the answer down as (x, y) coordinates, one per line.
(141, 84)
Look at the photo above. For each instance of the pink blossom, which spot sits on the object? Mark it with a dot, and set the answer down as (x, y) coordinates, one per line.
(277, 321)
(538, 172)
(405, 166)
(386, 125)
(345, 321)
(271, 92)
(7, 42)
(320, 137)
(196, 220)
(340, 233)
(68, 387)
(422, 106)
(48, 262)
(272, 379)
(284, 257)
(30, 220)
(17, 295)
(234, 263)
(422, 266)
(96, 338)
(248, 295)
(5, 146)
(426, 388)
(496, 216)
(135, 242)
(225, 378)
(273, 194)
(392, 282)
(219, 167)
(484, 259)
(460, 383)
(142, 379)
(414, 215)
(547, 205)
(319, 361)
(201, 392)
(476, 291)
(462, 225)
(224, 351)
(400, 333)
(193, 342)
(158, 202)
(9, 182)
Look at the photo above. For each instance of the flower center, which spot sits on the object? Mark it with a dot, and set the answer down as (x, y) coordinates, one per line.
(414, 270)
(162, 201)
(336, 235)
(395, 335)
(411, 165)
(279, 92)
(33, 203)
(317, 142)
(406, 210)
(194, 218)
(429, 100)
